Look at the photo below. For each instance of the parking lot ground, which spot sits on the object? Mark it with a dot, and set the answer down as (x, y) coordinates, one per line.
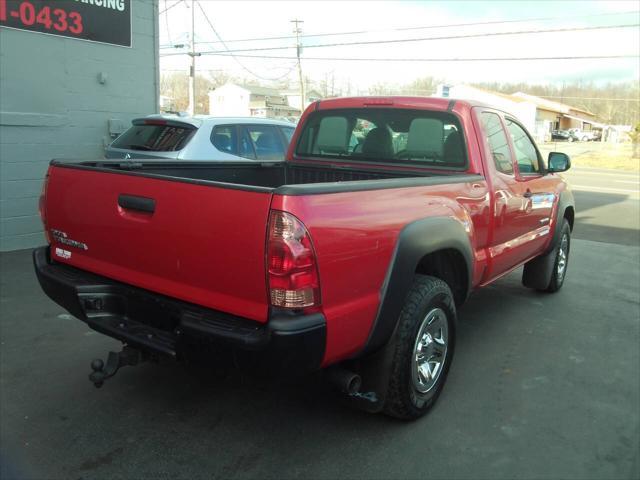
(542, 386)
(607, 205)
(606, 155)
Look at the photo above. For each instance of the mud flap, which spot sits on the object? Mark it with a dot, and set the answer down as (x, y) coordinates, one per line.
(537, 272)
(374, 370)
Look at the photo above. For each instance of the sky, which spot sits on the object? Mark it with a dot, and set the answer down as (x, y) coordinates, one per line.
(390, 20)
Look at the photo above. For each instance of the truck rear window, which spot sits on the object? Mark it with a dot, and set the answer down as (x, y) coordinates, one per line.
(394, 136)
(155, 138)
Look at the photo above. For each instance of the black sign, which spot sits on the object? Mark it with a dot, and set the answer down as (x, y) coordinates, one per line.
(104, 21)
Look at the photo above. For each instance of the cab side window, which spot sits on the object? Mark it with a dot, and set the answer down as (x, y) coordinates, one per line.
(497, 139)
(526, 153)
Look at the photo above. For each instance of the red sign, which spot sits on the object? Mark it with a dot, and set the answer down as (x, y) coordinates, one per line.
(104, 21)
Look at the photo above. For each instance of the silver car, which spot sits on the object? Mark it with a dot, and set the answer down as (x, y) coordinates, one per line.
(203, 138)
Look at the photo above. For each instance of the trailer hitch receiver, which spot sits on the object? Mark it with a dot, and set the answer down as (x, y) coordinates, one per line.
(115, 360)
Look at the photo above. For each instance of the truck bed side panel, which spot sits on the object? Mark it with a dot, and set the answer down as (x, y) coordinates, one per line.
(355, 233)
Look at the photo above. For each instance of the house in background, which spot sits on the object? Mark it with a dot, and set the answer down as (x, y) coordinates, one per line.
(231, 100)
(293, 97)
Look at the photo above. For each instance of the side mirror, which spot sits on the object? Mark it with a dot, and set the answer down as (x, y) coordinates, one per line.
(558, 162)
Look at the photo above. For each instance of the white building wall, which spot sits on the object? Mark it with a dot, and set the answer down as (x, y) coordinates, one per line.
(524, 111)
(229, 101)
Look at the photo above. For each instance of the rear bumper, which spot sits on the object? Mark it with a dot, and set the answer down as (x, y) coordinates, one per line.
(286, 344)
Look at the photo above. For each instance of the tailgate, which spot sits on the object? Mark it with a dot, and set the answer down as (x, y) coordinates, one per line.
(201, 243)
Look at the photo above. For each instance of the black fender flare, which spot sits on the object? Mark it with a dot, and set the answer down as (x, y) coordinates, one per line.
(565, 201)
(416, 240)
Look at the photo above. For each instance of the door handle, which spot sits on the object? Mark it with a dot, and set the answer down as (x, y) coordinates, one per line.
(141, 204)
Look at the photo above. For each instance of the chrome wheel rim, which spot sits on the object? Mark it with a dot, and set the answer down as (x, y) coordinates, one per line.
(563, 257)
(430, 350)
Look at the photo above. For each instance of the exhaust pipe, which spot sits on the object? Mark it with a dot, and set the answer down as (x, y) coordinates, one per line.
(346, 381)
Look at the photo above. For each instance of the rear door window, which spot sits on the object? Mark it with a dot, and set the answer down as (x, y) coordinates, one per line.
(246, 145)
(225, 139)
(288, 133)
(497, 140)
(526, 153)
(265, 140)
(155, 138)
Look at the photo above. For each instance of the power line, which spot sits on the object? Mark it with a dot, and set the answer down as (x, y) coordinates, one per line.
(169, 8)
(424, 39)
(231, 54)
(425, 27)
(593, 98)
(166, 18)
(484, 59)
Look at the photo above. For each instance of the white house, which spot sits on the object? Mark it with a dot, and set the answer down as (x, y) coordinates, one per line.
(293, 97)
(231, 100)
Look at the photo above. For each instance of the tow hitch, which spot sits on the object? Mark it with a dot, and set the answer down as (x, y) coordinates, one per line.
(115, 360)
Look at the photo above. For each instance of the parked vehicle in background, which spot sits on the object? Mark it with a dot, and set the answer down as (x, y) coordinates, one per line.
(562, 135)
(351, 256)
(203, 138)
(581, 135)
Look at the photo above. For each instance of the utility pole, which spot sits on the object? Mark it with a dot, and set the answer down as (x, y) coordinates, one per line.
(192, 70)
(298, 31)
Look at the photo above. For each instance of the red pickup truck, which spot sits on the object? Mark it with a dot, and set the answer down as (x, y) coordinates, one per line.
(351, 256)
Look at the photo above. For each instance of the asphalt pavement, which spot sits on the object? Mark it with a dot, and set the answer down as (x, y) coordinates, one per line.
(542, 386)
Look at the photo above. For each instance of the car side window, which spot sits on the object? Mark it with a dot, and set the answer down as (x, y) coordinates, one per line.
(526, 153)
(266, 142)
(246, 145)
(224, 138)
(497, 139)
(288, 133)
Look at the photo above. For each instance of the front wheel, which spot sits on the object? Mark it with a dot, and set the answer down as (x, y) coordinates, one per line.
(423, 348)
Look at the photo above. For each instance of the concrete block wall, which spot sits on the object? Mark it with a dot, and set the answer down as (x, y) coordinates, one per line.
(53, 105)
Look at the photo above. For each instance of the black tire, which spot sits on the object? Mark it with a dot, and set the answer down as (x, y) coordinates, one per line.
(427, 295)
(557, 280)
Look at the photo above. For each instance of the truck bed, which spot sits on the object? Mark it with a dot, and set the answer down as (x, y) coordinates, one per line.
(274, 177)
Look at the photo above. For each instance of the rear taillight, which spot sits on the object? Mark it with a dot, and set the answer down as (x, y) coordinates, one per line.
(291, 263)
(42, 206)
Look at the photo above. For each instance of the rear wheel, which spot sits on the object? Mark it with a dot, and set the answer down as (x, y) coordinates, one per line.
(423, 348)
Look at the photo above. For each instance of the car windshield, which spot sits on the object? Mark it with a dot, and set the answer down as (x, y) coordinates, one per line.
(155, 137)
(386, 136)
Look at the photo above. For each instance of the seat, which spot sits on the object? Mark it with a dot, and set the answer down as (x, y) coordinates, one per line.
(378, 144)
(268, 146)
(425, 139)
(222, 142)
(453, 152)
(267, 141)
